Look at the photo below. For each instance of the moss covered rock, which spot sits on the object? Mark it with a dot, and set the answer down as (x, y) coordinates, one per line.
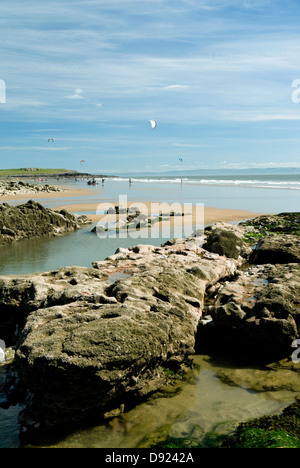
(279, 431)
(32, 220)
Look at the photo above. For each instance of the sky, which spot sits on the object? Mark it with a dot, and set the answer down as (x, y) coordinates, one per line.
(220, 77)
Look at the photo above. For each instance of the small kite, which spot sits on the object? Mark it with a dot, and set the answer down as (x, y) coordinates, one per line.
(50, 139)
(180, 159)
(82, 161)
(153, 124)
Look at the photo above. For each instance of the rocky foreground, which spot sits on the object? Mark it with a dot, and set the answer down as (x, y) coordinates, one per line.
(32, 219)
(91, 340)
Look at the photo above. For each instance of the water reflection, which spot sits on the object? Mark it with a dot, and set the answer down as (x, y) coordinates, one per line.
(80, 248)
(200, 407)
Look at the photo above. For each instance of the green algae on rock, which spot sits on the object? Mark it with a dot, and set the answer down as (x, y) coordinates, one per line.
(32, 220)
(279, 431)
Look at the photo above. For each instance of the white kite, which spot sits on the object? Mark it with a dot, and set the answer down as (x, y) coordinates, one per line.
(153, 124)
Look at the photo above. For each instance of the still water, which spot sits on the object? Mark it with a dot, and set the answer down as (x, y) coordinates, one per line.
(80, 248)
(195, 411)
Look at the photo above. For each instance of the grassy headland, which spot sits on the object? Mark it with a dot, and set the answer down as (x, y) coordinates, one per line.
(35, 172)
(41, 172)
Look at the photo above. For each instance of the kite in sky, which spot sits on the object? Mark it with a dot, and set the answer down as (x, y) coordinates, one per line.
(50, 139)
(82, 161)
(153, 124)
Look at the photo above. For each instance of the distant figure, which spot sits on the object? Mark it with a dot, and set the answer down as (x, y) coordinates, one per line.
(130, 181)
(103, 180)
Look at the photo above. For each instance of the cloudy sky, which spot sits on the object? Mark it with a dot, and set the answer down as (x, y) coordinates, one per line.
(220, 77)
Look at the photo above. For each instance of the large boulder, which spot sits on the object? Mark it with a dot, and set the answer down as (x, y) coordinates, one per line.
(277, 249)
(95, 344)
(228, 240)
(259, 310)
(34, 220)
(21, 295)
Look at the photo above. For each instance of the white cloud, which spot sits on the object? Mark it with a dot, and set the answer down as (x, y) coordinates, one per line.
(176, 87)
(77, 94)
(242, 116)
(192, 64)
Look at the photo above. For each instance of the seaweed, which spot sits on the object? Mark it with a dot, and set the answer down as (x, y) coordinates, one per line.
(278, 431)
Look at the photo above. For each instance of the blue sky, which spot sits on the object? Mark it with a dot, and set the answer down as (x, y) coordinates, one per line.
(216, 75)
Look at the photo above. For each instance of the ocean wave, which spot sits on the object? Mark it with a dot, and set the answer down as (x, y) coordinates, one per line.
(282, 184)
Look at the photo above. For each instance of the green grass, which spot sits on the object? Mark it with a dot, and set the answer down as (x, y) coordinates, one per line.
(37, 171)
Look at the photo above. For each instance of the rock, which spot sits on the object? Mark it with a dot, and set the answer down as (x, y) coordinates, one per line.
(88, 346)
(134, 220)
(259, 309)
(278, 431)
(282, 223)
(34, 220)
(277, 249)
(227, 240)
(21, 295)
(21, 188)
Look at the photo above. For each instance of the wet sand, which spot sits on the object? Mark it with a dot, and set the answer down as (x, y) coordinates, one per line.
(193, 215)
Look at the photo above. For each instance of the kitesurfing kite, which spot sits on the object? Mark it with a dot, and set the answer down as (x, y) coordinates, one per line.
(180, 159)
(50, 139)
(82, 161)
(153, 124)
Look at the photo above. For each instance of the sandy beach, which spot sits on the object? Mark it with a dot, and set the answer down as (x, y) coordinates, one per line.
(211, 214)
(96, 211)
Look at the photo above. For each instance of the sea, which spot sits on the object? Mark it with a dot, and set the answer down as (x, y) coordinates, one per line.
(205, 406)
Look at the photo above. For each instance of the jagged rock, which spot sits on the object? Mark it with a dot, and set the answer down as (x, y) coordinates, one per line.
(260, 309)
(277, 249)
(21, 295)
(34, 220)
(228, 240)
(134, 220)
(91, 345)
(21, 188)
(282, 223)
